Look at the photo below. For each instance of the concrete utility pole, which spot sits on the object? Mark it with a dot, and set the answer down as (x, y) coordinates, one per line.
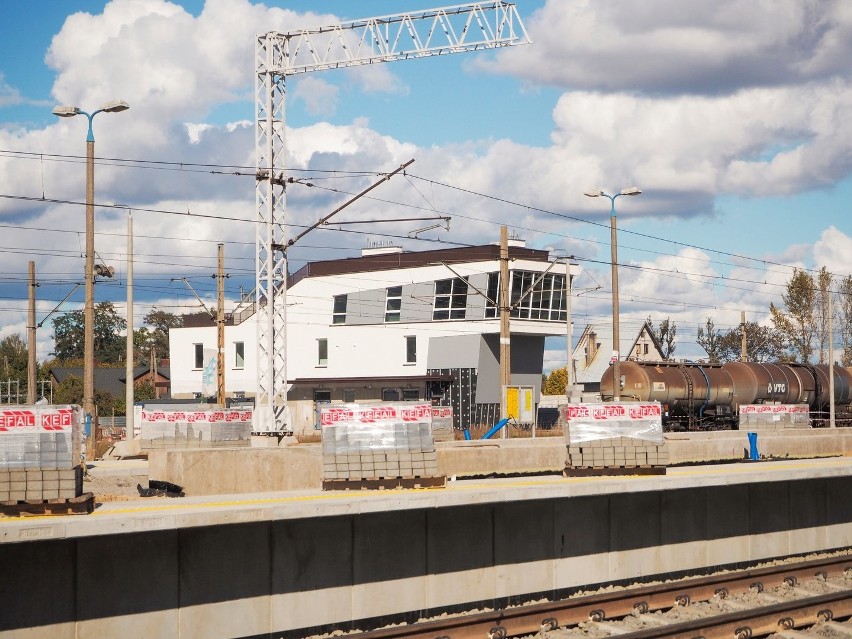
(31, 340)
(743, 344)
(831, 408)
(505, 338)
(129, 426)
(220, 328)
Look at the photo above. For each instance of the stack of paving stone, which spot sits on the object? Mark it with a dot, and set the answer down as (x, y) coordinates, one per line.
(378, 442)
(167, 429)
(617, 452)
(20, 485)
(378, 451)
(614, 436)
(442, 424)
(773, 417)
(40, 449)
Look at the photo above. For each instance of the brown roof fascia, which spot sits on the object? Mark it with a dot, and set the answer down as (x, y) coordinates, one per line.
(389, 261)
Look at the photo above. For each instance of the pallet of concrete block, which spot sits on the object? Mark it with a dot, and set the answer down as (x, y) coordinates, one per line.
(619, 438)
(168, 428)
(771, 417)
(44, 492)
(378, 447)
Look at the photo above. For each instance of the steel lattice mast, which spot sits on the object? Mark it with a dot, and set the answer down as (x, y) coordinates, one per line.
(468, 27)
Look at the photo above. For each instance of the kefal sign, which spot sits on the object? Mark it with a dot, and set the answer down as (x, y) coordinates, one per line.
(37, 420)
(378, 414)
(195, 416)
(611, 412)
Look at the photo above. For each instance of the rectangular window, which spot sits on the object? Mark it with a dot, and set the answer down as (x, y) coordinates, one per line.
(646, 348)
(536, 296)
(393, 303)
(390, 394)
(349, 395)
(493, 293)
(239, 355)
(410, 349)
(199, 355)
(410, 394)
(322, 395)
(322, 352)
(450, 299)
(339, 313)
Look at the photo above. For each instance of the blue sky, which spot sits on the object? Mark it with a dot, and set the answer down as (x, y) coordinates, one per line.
(732, 117)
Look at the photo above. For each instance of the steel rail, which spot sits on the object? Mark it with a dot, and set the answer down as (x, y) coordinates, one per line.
(552, 615)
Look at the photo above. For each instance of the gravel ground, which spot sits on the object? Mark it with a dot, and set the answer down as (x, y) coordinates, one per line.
(114, 482)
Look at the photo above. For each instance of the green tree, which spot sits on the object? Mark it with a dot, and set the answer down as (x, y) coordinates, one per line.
(556, 381)
(157, 337)
(109, 344)
(14, 359)
(709, 339)
(69, 391)
(796, 321)
(665, 335)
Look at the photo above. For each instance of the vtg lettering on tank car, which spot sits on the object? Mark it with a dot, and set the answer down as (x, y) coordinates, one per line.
(698, 396)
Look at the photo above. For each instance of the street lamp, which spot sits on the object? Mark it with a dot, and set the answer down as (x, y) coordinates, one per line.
(616, 369)
(89, 311)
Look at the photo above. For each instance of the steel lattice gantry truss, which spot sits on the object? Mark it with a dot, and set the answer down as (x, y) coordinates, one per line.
(468, 27)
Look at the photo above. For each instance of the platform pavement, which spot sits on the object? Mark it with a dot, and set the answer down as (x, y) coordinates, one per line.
(158, 513)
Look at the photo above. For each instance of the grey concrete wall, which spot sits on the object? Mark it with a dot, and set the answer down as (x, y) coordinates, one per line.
(234, 471)
(295, 577)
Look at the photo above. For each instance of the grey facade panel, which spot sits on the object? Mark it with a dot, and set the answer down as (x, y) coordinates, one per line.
(475, 301)
(366, 307)
(417, 302)
(455, 351)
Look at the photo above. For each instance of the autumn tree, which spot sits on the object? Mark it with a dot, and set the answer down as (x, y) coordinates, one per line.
(665, 335)
(763, 344)
(555, 383)
(844, 314)
(824, 281)
(796, 321)
(710, 340)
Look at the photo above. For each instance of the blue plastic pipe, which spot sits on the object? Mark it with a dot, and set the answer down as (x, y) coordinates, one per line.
(466, 432)
(496, 427)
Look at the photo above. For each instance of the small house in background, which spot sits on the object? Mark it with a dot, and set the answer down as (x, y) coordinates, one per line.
(112, 380)
(593, 352)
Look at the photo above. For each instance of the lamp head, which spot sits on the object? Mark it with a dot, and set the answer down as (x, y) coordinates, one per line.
(593, 193)
(115, 106)
(66, 111)
(631, 191)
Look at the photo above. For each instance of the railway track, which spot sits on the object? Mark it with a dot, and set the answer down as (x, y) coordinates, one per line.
(595, 611)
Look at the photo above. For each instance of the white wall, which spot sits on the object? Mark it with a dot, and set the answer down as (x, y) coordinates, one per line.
(375, 350)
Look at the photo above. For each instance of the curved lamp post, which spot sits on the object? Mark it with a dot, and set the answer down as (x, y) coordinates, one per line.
(616, 369)
(89, 311)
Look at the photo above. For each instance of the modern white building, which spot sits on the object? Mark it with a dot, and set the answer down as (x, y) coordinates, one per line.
(392, 326)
